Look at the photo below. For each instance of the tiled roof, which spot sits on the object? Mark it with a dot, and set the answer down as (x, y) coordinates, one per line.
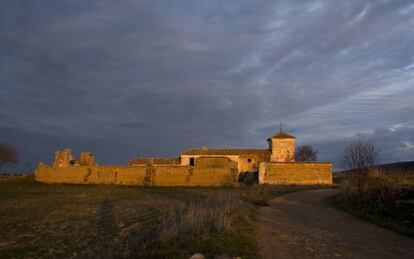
(224, 151)
(281, 135)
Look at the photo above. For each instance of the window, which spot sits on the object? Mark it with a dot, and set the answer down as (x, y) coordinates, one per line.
(249, 160)
(192, 161)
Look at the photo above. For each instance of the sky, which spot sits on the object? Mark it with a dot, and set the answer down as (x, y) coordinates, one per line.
(132, 78)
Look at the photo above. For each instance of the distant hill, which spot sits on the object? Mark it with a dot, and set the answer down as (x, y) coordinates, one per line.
(398, 166)
(403, 166)
(400, 170)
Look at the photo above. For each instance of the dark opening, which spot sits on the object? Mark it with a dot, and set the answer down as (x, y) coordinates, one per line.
(249, 160)
(192, 161)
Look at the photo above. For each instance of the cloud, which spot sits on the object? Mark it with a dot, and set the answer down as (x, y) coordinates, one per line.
(359, 17)
(131, 78)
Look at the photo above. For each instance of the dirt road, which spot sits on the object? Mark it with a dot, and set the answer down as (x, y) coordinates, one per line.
(303, 225)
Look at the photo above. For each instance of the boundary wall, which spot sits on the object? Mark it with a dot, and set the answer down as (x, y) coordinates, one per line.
(301, 173)
(217, 172)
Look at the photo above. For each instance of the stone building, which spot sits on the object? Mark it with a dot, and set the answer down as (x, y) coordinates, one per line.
(195, 167)
(281, 149)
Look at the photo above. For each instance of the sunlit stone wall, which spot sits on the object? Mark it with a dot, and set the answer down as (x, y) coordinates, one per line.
(208, 172)
(295, 173)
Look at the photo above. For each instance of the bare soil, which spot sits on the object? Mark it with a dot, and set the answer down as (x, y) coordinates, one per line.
(304, 225)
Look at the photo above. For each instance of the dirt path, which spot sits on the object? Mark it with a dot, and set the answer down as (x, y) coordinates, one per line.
(303, 225)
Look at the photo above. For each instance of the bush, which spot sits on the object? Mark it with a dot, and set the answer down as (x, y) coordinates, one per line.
(371, 188)
(8, 155)
(376, 196)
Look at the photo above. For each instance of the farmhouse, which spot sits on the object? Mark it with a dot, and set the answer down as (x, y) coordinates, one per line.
(281, 149)
(195, 167)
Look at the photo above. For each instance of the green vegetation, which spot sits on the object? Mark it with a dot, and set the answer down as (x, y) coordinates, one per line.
(39, 220)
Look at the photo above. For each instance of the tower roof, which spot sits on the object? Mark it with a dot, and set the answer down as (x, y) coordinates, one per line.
(281, 135)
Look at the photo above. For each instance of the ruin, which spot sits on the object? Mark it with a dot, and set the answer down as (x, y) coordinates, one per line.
(65, 159)
(195, 167)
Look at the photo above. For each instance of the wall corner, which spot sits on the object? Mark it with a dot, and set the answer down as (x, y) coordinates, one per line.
(262, 172)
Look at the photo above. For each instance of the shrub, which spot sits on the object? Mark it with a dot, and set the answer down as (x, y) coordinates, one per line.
(376, 193)
(371, 188)
(377, 196)
(8, 155)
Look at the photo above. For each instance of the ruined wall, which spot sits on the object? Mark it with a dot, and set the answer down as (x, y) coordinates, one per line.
(217, 172)
(87, 159)
(63, 158)
(295, 173)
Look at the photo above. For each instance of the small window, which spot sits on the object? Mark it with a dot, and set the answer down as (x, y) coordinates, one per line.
(249, 160)
(192, 161)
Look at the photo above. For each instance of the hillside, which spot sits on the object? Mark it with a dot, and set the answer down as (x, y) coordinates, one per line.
(407, 166)
(404, 171)
(398, 166)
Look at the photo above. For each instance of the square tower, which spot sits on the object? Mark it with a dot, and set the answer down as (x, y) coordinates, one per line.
(282, 147)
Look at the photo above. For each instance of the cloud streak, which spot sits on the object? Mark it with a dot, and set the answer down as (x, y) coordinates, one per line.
(131, 78)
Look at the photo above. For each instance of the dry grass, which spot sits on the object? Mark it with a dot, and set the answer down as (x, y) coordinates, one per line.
(219, 224)
(379, 197)
(373, 188)
(216, 214)
(106, 221)
(196, 224)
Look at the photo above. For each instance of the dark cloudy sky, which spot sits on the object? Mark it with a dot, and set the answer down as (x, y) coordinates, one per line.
(140, 78)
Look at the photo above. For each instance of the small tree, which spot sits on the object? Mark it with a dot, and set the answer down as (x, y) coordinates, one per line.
(8, 155)
(306, 153)
(359, 155)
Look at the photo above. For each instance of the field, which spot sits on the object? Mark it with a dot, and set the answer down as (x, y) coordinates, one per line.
(39, 220)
